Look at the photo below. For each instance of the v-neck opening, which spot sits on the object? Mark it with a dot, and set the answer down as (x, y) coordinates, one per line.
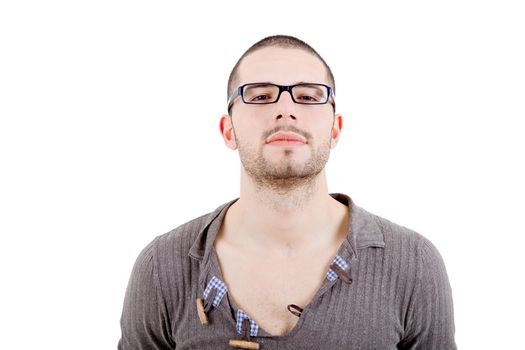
(229, 308)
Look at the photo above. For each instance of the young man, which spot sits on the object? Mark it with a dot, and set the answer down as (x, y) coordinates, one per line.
(287, 265)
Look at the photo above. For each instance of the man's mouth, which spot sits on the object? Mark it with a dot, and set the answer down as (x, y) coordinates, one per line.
(285, 138)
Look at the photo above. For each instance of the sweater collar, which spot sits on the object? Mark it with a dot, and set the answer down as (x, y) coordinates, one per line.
(364, 229)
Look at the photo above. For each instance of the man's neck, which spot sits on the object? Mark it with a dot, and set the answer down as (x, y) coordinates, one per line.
(297, 221)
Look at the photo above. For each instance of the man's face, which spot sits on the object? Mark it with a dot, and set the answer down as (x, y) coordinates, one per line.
(250, 126)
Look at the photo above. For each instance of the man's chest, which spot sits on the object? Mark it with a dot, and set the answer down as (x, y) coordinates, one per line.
(263, 288)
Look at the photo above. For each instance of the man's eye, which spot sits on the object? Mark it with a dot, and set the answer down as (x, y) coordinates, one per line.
(308, 98)
(260, 98)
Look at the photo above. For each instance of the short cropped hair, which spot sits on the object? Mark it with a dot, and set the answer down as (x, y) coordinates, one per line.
(282, 41)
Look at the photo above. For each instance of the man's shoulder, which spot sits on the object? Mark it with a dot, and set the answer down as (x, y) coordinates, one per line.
(187, 230)
(418, 254)
(189, 238)
(391, 233)
(179, 241)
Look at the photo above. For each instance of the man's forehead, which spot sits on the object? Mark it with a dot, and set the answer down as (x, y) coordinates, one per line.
(281, 66)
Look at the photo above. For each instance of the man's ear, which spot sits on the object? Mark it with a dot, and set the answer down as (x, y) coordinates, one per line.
(336, 130)
(227, 132)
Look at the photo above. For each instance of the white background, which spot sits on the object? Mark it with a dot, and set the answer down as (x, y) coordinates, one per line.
(109, 136)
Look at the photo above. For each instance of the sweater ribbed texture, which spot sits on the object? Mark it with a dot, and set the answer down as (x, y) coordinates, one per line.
(400, 297)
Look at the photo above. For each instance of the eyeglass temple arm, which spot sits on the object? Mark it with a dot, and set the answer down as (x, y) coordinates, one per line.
(234, 95)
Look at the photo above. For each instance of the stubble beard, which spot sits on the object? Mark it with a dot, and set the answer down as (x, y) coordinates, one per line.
(287, 176)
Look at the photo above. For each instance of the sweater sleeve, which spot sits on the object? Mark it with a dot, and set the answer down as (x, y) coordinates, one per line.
(430, 317)
(144, 322)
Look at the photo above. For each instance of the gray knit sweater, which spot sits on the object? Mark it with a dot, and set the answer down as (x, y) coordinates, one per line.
(387, 289)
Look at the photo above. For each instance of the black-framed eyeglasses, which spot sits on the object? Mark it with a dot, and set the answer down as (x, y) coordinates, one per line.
(265, 93)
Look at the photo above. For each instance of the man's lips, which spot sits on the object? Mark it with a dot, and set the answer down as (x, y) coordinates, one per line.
(286, 137)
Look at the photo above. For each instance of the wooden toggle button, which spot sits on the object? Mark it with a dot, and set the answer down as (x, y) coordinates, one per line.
(244, 344)
(201, 312)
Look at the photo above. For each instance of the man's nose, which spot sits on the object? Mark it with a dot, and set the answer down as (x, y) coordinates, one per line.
(285, 106)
